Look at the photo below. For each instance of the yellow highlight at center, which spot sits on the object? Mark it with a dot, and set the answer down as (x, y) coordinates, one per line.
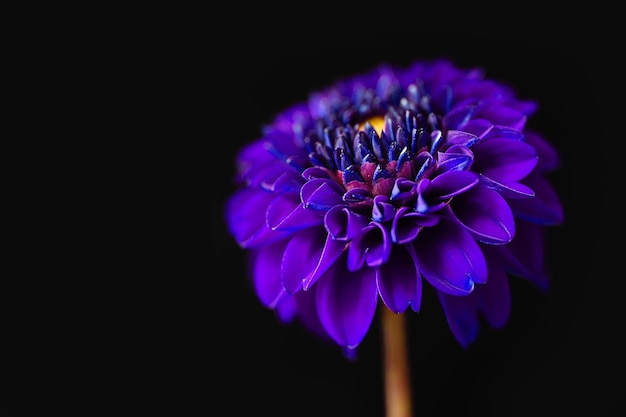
(377, 122)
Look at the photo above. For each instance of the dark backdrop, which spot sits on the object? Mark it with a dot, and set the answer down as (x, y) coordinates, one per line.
(173, 326)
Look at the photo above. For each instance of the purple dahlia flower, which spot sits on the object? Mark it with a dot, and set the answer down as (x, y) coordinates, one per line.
(389, 181)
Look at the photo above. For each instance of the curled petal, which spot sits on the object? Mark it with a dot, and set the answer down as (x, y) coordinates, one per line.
(371, 246)
(342, 223)
(407, 224)
(346, 303)
(508, 189)
(321, 194)
(286, 213)
(449, 258)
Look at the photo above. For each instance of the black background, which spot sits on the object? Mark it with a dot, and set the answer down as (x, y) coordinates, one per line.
(167, 322)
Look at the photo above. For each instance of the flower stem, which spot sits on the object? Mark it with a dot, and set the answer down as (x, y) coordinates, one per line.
(396, 371)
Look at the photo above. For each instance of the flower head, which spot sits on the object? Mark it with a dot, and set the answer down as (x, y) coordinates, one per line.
(389, 181)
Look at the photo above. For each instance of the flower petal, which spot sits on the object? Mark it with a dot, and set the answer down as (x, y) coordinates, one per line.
(321, 194)
(504, 159)
(286, 213)
(399, 282)
(449, 184)
(449, 258)
(346, 303)
(485, 214)
(494, 297)
(462, 316)
(266, 275)
(342, 223)
(371, 246)
(301, 257)
(545, 208)
(245, 217)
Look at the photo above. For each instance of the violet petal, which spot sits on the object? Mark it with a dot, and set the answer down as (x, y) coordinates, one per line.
(265, 271)
(342, 223)
(371, 246)
(399, 282)
(485, 214)
(449, 184)
(462, 316)
(321, 194)
(494, 298)
(449, 258)
(301, 257)
(544, 208)
(504, 159)
(286, 213)
(346, 303)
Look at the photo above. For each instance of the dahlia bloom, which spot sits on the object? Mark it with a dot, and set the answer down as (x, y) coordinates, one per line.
(388, 181)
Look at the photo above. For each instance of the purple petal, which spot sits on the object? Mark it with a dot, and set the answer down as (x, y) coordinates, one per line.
(459, 137)
(301, 257)
(485, 214)
(478, 127)
(504, 159)
(458, 117)
(321, 194)
(509, 189)
(549, 159)
(462, 316)
(289, 181)
(382, 210)
(451, 183)
(371, 246)
(407, 224)
(286, 213)
(346, 303)
(525, 255)
(343, 224)
(399, 282)
(245, 216)
(331, 251)
(545, 208)
(499, 114)
(494, 297)
(265, 271)
(449, 258)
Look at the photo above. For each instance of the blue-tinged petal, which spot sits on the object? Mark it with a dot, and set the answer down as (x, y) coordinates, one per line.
(321, 194)
(346, 303)
(545, 208)
(245, 217)
(459, 137)
(549, 159)
(331, 251)
(508, 189)
(286, 213)
(407, 224)
(251, 158)
(499, 114)
(399, 282)
(485, 214)
(265, 272)
(494, 298)
(503, 159)
(371, 246)
(382, 210)
(458, 117)
(342, 223)
(449, 258)
(525, 257)
(462, 316)
(478, 127)
(449, 184)
(301, 257)
(315, 172)
(455, 158)
(287, 182)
